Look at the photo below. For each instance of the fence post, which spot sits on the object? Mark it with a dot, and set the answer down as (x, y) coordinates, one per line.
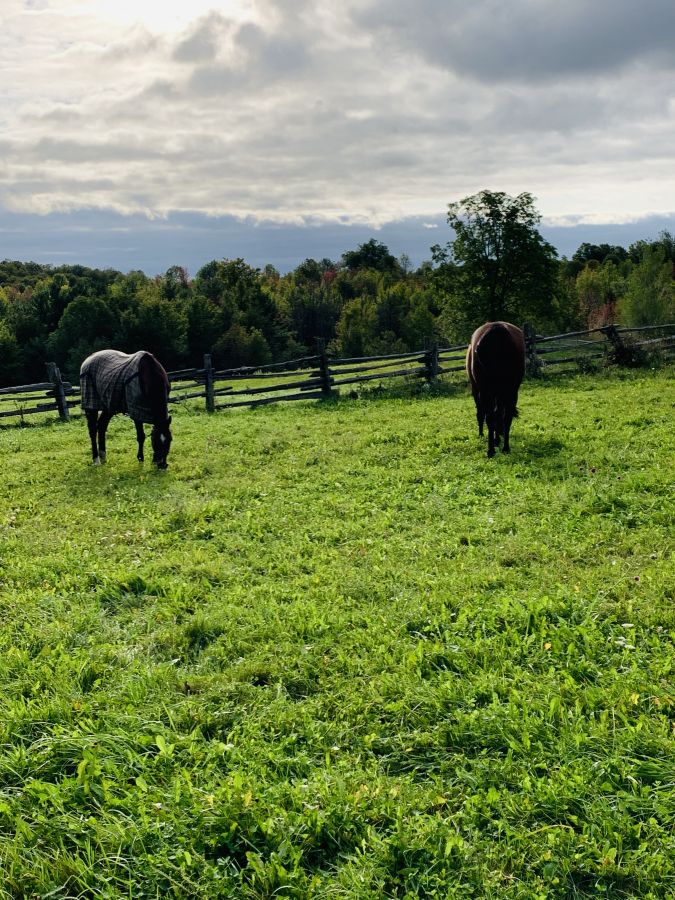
(54, 376)
(324, 371)
(208, 383)
(431, 363)
(620, 352)
(612, 334)
(533, 362)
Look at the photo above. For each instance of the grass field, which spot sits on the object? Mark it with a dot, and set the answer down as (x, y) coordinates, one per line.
(335, 651)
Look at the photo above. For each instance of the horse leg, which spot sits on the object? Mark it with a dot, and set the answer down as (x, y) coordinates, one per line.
(140, 437)
(103, 423)
(491, 418)
(492, 433)
(499, 421)
(480, 414)
(509, 412)
(92, 416)
(491, 440)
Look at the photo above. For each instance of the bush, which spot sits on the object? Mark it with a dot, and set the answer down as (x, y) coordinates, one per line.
(625, 351)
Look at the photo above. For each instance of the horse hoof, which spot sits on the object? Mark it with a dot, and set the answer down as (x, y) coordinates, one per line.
(491, 453)
(97, 461)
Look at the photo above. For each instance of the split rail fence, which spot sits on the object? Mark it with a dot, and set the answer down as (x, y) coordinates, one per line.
(320, 376)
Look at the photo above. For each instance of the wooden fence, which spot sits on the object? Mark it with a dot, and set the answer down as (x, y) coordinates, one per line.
(319, 376)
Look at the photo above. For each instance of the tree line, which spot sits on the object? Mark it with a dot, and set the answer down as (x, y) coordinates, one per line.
(497, 266)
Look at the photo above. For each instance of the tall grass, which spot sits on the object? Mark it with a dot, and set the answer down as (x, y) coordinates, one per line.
(335, 651)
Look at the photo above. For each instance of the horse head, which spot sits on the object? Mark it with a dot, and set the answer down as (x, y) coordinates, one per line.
(161, 438)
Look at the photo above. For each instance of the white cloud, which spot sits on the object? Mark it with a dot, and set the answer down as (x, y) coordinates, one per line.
(359, 112)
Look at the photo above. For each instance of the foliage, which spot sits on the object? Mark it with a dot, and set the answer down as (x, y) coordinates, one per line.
(334, 651)
(599, 253)
(498, 266)
(625, 351)
(650, 290)
(372, 255)
(10, 361)
(87, 324)
(599, 289)
(241, 346)
(156, 325)
(503, 268)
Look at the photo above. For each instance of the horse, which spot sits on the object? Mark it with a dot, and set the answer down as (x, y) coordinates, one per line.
(495, 363)
(136, 384)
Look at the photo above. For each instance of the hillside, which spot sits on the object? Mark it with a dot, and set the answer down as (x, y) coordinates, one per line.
(335, 651)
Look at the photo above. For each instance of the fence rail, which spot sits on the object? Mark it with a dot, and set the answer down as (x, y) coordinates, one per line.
(313, 377)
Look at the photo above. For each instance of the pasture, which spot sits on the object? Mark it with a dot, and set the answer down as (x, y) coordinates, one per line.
(335, 651)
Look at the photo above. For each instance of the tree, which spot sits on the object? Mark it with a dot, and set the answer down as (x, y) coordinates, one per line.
(203, 327)
(601, 253)
(419, 324)
(357, 328)
(174, 284)
(88, 324)
(503, 267)
(598, 288)
(156, 325)
(241, 346)
(239, 292)
(665, 240)
(371, 255)
(10, 358)
(650, 290)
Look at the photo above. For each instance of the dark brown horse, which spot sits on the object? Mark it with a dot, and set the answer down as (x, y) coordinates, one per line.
(136, 384)
(495, 362)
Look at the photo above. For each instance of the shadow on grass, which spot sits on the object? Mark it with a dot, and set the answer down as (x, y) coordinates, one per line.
(537, 452)
(121, 472)
(540, 447)
(407, 390)
(41, 421)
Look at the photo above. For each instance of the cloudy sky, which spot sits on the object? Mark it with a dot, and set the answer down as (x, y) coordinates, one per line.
(148, 133)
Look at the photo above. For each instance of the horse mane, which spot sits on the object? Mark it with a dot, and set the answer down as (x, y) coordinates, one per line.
(155, 383)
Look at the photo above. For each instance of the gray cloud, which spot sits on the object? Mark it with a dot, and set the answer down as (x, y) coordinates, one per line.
(528, 39)
(201, 44)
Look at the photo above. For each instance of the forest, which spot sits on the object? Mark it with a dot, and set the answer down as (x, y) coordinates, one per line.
(497, 266)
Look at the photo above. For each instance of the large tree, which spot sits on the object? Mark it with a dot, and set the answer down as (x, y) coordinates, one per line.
(501, 266)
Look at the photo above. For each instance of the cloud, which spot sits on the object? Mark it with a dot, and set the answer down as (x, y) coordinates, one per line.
(366, 111)
(201, 44)
(526, 39)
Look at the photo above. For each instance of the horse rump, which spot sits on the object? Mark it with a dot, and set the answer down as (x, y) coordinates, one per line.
(495, 364)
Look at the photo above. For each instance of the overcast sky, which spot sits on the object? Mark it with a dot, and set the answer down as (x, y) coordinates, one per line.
(148, 133)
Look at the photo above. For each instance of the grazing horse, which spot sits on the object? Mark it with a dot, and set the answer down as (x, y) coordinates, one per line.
(495, 363)
(135, 384)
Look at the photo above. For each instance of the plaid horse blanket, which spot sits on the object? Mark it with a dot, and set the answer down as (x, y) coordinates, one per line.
(109, 380)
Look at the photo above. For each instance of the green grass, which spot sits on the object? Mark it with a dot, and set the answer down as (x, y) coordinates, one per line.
(335, 651)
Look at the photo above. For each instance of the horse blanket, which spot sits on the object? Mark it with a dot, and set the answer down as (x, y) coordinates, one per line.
(109, 380)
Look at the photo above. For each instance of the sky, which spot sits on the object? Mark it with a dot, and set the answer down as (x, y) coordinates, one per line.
(141, 134)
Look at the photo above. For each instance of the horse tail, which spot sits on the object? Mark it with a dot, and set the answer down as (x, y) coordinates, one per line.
(491, 347)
